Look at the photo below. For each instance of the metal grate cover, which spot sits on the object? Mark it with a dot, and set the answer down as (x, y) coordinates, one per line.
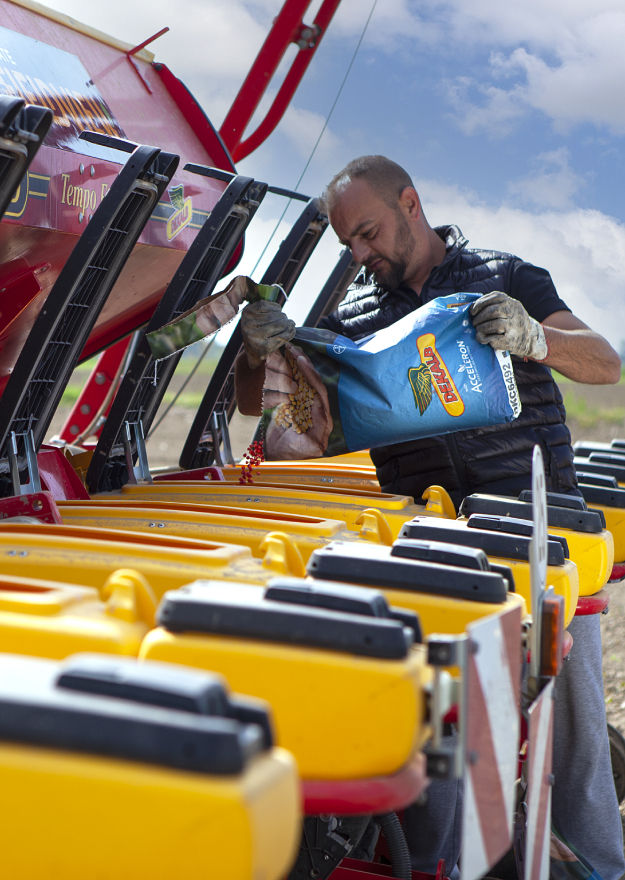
(218, 401)
(146, 379)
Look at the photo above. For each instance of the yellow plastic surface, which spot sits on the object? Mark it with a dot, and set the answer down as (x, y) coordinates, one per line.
(449, 616)
(341, 716)
(47, 619)
(563, 578)
(312, 475)
(615, 524)
(237, 526)
(89, 556)
(76, 816)
(361, 458)
(356, 463)
(592, 554)
(322, 503)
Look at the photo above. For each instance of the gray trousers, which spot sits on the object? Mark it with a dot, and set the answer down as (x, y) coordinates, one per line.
(584, 805)
(434, 828)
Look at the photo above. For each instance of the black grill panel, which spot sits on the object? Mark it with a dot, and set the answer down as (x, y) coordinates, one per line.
(67, 317)
(145, 381)
(285, 269)
(55, 354)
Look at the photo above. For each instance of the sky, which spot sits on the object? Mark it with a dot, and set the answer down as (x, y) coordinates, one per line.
(509, 117)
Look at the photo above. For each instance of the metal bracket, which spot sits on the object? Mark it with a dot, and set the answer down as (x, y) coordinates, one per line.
(324, 846)
(135, 49)
(220, 434)
(33, 483)
(445, 761)
(139, 473)
(307, 36)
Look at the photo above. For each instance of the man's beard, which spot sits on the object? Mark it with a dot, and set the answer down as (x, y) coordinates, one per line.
(392, 274)
(395, 270)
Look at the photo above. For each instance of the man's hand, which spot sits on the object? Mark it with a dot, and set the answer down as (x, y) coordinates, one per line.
(265, 328)
(301, 421)
(502, 322)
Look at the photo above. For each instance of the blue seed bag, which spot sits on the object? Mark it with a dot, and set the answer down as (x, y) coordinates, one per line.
(422, 376)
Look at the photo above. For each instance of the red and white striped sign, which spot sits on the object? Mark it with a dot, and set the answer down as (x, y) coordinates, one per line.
(539, 760)
(492, 685)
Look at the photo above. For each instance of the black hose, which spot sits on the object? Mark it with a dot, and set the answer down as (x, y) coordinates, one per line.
(390, 827)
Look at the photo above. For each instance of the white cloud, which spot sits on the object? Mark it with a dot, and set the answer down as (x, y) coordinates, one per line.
(568, 53)
(394, 23)
(584, 250)
(302, 128)
(566, 60)
(552, 183)
(545, 25)
(479, 108)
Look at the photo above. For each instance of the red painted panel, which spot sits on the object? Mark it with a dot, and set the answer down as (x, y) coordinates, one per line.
(92, 84)
(351, 797)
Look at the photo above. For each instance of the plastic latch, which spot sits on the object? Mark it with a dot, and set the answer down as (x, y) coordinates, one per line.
(438, 502)
(281, 555)
(128, 596)
(155, 684)
(374, 527)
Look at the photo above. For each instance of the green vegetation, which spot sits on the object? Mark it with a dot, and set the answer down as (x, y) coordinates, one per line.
(589, 409)
(188, 399)
(587, 415)
(188, 363)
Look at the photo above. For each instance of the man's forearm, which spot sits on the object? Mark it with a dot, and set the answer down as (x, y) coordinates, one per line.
(248, 386)
(582, 355)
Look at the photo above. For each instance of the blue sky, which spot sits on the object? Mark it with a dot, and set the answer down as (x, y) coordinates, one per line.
(510, 118)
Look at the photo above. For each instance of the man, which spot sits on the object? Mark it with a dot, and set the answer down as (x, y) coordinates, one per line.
(376, 212)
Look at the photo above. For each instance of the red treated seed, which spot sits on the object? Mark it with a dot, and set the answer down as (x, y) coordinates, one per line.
(253, 456)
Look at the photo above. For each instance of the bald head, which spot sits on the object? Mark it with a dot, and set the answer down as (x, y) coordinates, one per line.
(385, 177)
(376, 212)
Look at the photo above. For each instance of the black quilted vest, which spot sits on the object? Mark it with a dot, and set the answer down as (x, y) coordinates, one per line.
(496, 459)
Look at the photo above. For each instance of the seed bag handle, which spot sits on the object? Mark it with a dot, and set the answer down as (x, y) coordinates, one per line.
(208, 315)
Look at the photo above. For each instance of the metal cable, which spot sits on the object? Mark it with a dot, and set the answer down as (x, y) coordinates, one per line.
(321, 133)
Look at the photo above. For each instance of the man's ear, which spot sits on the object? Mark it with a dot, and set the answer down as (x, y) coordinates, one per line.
(409, 202)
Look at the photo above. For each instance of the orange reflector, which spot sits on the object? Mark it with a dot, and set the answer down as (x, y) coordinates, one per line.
(552, 635)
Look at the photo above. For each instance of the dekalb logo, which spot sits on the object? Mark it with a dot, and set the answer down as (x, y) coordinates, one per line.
(182, 214)
(432, 373)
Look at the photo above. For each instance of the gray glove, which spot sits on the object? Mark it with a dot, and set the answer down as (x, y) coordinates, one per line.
(502, 322)
(264, 328)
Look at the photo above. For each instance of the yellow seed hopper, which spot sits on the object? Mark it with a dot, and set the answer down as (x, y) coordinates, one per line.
(446, 597)
(120, 769)
(610, 500)
(310, 473)
(504, 548)
(212, 523)
(346, 689)
(46, 618)
(167, 562)
(322, 502)
(590, 544)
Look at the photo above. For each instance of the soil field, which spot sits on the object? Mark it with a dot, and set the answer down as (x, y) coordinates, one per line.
(593, 413)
